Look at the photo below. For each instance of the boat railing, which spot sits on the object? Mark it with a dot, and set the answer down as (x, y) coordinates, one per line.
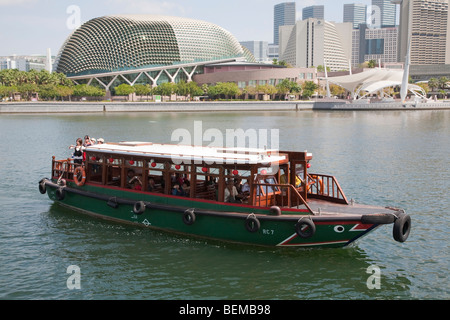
(63, 169)
(325, 187)
(281, 195)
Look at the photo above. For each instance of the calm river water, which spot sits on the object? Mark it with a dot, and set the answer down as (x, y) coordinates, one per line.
(398, 159)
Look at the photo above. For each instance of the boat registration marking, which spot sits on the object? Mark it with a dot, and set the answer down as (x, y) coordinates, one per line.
(269, 232)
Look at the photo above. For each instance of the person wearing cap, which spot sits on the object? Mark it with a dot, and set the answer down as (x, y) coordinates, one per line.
(100, 141)
(93, 141)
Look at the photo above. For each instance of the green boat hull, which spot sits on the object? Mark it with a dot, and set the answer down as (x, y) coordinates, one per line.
(208, 219)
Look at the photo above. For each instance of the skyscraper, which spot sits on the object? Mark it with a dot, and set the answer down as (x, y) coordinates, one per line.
(388, 11)
(425, 24)
(284, 15)
(317, 12)
(315, 42)
(355, 13)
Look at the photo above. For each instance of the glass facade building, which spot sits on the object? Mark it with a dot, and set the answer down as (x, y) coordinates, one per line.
(135, 42)
(284, 15)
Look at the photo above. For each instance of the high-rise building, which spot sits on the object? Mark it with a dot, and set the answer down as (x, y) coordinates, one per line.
(425, 24)
(284, 15)
(379, 44)
(317, 12)
(355, 13)
(388, 12)
(315, 42)
(259, 49)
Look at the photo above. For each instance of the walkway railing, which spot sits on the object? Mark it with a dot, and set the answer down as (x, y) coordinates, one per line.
(325, 187)
(281, 195)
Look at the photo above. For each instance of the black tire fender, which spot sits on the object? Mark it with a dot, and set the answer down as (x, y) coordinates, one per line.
(42, 187)
(402, 227)
(60, 194)
(189, 217)
(305, 228)
(275, 210)
(252, 223)
(139, 207)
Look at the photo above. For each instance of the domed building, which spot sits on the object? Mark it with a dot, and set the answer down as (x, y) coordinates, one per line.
(145, 49)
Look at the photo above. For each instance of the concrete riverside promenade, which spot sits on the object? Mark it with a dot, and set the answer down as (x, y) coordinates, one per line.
(222, 106)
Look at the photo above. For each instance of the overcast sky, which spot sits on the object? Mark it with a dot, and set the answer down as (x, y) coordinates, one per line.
(31, 26)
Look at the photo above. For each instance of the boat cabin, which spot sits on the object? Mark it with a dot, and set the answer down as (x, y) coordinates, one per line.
(262, 177)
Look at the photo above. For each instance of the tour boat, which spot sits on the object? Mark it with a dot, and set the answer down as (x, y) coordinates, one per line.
(241, 195)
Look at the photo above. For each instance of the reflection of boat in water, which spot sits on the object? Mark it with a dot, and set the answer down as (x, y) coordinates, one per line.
(187, 190)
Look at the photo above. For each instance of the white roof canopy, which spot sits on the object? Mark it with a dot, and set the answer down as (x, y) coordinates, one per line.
(373, 78)
(186, 154)
(371, 81)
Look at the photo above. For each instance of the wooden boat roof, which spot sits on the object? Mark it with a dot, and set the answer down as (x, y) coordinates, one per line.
(185, 153)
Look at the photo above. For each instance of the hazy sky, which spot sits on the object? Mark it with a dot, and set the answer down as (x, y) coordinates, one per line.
(31, 26)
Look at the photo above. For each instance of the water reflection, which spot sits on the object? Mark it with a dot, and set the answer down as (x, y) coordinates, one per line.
(396, 159)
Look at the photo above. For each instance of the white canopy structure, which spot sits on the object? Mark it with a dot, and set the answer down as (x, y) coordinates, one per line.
(374, 80)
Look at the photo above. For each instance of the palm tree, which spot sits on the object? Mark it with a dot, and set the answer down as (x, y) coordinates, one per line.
(433, 83)
(443, 82)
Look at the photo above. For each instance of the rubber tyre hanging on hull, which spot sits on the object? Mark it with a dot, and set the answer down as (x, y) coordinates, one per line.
(42, 187)
(305, 228)
(139, 207)
(402, 227)
(189, 217)
(252, 224)
(60, 194)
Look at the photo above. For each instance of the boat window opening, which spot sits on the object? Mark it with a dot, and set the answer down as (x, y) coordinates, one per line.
(206, 186)
(113, 171)
(94, 169)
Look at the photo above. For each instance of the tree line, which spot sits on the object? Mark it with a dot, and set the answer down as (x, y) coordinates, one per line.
(221, 90)
(49, 86)
(56, 86)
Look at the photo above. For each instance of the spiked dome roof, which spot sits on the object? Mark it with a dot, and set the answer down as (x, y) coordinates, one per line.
(128, 42)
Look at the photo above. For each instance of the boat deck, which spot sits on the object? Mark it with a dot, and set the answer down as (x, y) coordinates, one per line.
(321, 207)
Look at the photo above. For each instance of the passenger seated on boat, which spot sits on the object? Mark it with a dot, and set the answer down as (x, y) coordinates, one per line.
(132, 178)
(136, 184)
(246, 188)
(151, 184)
(283, 180)
(186, 189)
(231, 193)
(177, 190)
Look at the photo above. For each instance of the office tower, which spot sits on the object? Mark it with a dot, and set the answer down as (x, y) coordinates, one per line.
(355, 13)
(424, 24)
(317, 12)
(315, 42)
(379, 44)
(284, 15)
(388, 12)
(259, 49)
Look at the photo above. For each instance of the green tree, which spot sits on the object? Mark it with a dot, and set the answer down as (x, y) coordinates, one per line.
(123, 90)
(372, 64)
(309, 87)
(194, 90)
(443, 82)
(165, 89)
(142, 90)
(64, 91)
(83, 90)
(182, 88)
(7, 91)
(26, 89)
(433, 83)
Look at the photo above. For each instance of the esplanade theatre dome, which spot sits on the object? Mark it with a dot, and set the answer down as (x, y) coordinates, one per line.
(131, 42)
